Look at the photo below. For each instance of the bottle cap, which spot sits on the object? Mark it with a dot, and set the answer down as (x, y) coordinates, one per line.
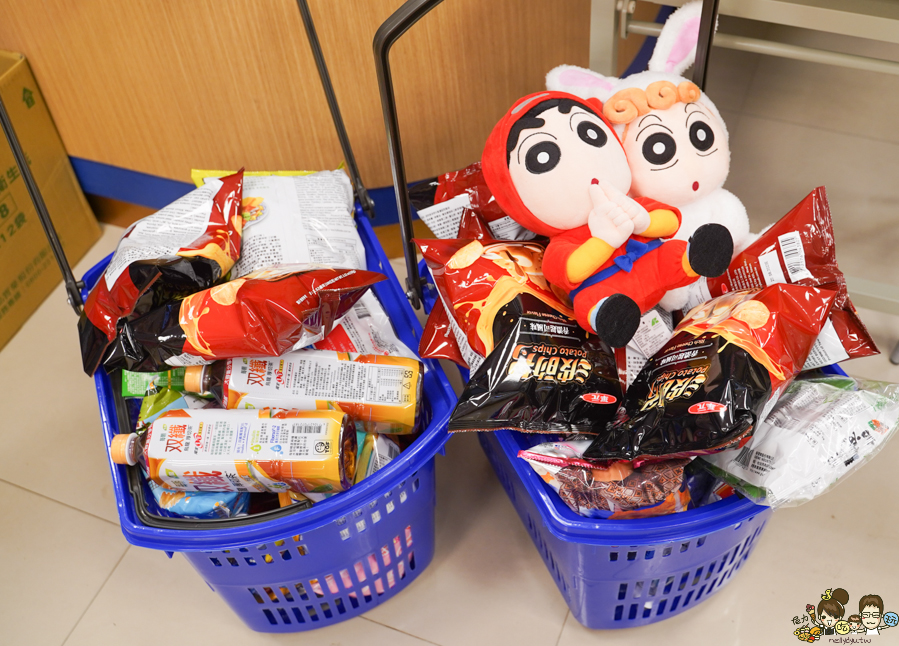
(120, 449)
(193, 379)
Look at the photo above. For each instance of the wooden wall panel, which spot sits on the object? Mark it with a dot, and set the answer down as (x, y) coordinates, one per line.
(161, 86)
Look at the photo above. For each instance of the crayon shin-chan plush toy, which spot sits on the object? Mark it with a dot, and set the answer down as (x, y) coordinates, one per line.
(675, 140)
(556, 166)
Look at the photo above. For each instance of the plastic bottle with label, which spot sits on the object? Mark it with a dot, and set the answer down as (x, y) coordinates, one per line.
(252, 451)
(382, 393)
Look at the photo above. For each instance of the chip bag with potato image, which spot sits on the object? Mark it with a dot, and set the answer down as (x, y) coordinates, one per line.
(719, 375)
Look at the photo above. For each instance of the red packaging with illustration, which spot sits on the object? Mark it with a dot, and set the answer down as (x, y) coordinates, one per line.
(718, 376)
(263, 314)
(188, 246)
(799, 249)
(476, 280)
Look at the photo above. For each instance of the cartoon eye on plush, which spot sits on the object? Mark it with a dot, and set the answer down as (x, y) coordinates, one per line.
(556, 150)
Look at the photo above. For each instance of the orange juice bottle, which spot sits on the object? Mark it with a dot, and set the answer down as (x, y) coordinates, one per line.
(244, 450)
(380, 392)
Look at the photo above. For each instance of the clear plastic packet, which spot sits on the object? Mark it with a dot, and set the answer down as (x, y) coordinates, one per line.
(293, 217)
(186, 247)
(201, 505)
(375, 452)
(617, 490)
(821, 431)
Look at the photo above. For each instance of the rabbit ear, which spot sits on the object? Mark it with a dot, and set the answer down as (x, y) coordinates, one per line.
(675, 48)
(580, 82)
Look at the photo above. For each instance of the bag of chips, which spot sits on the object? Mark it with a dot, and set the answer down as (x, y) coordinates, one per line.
(476, 280)
(441, 201)
(547, 375)
(618, 490)
(188, 246)
(264, 314)
(799, 249)
(720, 374)
(820, 431)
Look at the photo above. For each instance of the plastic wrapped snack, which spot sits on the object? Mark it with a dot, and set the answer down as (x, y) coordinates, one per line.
(188, 246)
(476, 280)
(547, 375)
(366, 329)
(201, 505)
(617, 490)
(382, 393)
(821, 430)
(375, 453)
(247, 451)
(264, 314)
(441, 201)
(720, 374)
(799, 249)
(166, 399)
(295, 217)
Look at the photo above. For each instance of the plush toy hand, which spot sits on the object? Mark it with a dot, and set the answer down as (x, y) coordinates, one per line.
(608, 221)
(634, 211)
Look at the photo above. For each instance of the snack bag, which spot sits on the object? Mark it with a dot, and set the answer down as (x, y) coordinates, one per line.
(188, 246)
(366, 329)
(166, 399)
(264, 314)
(201, 505)
(821, 430)
(375, 452)
(477, 279)
(720, 374)
(248, 451)
(547, 375)
(438, 340)
(615, 491)
(295, 218)
(441, 201)
(799, 249)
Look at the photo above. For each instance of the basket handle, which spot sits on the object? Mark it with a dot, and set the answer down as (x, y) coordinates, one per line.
(395, 26)
(73, 287)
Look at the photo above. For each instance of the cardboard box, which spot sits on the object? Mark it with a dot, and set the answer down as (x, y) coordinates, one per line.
(28, 270)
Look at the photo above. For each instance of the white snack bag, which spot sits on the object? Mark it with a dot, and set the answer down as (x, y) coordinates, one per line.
(298, 219)
(820, 431)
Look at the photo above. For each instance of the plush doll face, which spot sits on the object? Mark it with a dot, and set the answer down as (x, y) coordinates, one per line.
(677, 155)
(558, 154)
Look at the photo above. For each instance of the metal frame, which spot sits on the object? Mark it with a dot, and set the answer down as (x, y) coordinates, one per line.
(73, 286)
(388, 33)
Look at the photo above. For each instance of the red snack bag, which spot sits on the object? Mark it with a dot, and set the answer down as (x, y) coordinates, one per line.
(264, 314)
(188, 246)
(799, 249)
(438, 340)
(440, 201)
(476, 280)
(719, 375)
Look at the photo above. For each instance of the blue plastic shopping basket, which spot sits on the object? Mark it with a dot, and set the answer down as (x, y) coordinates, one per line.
(612, 573)
(294, 568)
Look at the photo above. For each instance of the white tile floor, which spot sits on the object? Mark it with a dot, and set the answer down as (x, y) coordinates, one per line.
(67, 576)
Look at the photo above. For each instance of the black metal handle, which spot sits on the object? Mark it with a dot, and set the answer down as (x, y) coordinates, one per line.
(73, 287)
(388, 33)
(704, 45)
(352, 169)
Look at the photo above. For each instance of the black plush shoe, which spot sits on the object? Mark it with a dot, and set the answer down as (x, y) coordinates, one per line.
(616, 320)
(710, 249)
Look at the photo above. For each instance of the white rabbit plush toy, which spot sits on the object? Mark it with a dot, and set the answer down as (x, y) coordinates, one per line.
(675, 140)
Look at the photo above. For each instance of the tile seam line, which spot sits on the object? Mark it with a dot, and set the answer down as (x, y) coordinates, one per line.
(96, 594)
(403, 632)
(562, 629)
(58, 502)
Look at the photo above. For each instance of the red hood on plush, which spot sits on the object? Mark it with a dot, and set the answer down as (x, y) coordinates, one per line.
(496, 168)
